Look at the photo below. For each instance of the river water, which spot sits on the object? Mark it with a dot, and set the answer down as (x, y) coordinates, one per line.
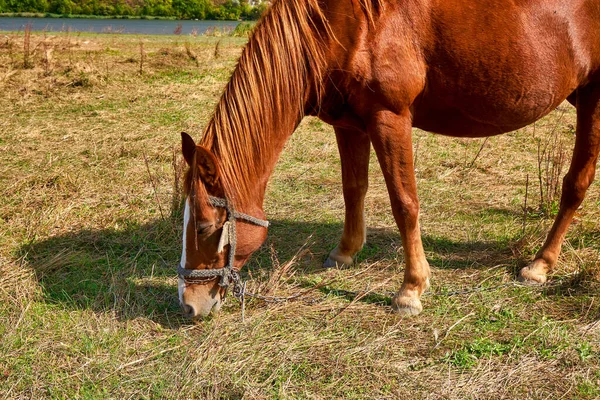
(131, 26)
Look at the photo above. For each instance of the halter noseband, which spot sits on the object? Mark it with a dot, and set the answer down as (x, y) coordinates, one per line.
(227, 274)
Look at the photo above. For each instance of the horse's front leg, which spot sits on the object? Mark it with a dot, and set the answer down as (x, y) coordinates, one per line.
(575, 184)
(355, 148)
(390, 134)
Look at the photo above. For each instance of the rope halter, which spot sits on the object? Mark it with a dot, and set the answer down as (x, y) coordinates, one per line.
(227, 274)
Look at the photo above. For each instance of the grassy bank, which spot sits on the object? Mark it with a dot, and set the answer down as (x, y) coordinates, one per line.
(90, 227)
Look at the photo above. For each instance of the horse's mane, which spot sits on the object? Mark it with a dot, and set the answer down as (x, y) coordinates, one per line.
(284, 57)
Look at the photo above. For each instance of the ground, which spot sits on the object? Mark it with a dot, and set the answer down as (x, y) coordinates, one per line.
(90, 227)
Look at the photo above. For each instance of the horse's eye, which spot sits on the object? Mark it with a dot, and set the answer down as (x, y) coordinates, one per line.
(202, 229)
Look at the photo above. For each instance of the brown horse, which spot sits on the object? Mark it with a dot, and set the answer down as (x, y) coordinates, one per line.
(374, 69)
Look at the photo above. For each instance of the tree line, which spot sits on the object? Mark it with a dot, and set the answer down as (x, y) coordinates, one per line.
(181, 9)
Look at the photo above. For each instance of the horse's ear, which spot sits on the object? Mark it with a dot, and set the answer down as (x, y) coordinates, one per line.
(188, 148)
(206, 163)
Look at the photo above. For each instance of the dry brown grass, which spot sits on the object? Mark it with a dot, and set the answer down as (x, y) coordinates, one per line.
(88, 304)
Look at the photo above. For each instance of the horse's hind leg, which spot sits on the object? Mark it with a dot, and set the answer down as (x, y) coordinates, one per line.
(578, 179)
(391, 137)
(355, 148)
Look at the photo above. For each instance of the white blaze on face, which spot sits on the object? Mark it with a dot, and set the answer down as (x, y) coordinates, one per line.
(186, 220)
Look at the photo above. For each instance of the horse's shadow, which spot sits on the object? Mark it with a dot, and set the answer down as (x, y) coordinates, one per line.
(123, 270)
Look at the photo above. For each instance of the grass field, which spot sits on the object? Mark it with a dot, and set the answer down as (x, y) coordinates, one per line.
(90, 228)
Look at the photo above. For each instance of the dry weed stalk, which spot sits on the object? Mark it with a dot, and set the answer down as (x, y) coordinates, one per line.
(142, 58)
(217, 52)
(10, 46)
(69, 46)
(191, 54)
(525, 204)
(178, 29)
(416, 156)
(281, 273)
(479, 152)
(47, 57)
(178, 165)
(154, 185)
(551, 158)
(26, 47)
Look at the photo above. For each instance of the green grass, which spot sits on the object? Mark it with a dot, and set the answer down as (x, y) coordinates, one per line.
(89, 242)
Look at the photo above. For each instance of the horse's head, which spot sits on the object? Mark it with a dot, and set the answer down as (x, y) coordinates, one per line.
(217, 239)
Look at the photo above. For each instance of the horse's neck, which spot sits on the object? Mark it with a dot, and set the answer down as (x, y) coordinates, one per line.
(265, 98)
(255, 175)
(247, 135)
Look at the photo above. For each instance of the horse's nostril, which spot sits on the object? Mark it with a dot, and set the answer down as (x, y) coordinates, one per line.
(188, 311)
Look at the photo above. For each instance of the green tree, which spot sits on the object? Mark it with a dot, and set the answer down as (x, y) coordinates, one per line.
(229, 10)
(186, 9)
(105, 9)
(192, 9)
(121, 8)
(62, 6)
(26, 5)
(253, 12)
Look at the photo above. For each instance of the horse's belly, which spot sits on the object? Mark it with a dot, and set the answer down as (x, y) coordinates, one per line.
(479, 116)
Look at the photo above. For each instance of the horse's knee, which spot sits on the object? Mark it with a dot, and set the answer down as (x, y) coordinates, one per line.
(356, 189)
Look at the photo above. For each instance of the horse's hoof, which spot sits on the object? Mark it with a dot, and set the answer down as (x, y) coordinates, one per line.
(407, 305)
(532, 274)
(336, 259)
(330, 263)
